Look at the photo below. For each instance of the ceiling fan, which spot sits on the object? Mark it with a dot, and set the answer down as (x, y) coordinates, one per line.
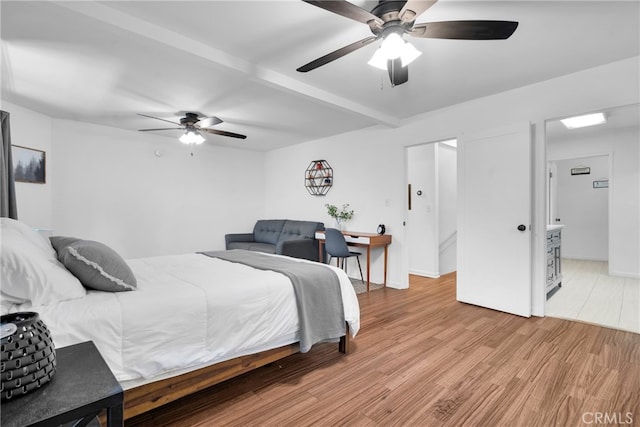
(193, 126)
(390, 20)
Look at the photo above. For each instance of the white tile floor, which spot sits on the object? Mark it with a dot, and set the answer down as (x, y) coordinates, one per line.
(590, 295)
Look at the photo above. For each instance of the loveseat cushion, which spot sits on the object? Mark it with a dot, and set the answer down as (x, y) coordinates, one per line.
(253, 246)
(263, 247)
(268, 230)
(296, 230)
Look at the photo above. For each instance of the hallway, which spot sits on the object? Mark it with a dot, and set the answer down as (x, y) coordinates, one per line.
(590, 295)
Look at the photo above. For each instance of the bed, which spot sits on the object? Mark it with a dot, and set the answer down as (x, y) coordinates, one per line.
(188, 322)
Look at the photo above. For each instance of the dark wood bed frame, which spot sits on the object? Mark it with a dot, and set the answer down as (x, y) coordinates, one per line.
(146, 397)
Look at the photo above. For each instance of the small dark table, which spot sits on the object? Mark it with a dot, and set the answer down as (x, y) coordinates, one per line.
(81, 388)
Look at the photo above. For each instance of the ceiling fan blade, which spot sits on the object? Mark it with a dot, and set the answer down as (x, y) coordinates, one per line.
(224, 133)
(465, 30)
(414, 8)
(348, 10)
(208, 121)
(146, 130)
(397, 73)
(158, 118)
(336, 54)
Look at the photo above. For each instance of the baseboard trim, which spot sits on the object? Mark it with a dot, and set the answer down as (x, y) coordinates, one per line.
(578, 258)
(626, 274)
(394, 285)
(425, 274)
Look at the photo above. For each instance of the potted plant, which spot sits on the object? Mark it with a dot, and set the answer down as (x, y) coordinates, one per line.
(339, 215)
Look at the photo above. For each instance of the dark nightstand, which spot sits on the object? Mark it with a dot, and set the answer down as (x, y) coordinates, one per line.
(81, 388)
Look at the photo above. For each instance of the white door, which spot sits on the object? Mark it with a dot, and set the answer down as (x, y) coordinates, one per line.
(494, 217)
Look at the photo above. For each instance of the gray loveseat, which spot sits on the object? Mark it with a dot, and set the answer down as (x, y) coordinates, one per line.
(279, 236)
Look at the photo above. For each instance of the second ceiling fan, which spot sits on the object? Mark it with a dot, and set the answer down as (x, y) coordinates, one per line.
(390, 20)
(193, 125)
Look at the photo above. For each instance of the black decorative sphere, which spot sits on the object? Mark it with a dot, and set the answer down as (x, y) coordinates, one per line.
(28, 357)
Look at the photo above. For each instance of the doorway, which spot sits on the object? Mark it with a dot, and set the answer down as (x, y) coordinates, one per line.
(431, 208)
(579, 201)
(493, 206)
(593, 193)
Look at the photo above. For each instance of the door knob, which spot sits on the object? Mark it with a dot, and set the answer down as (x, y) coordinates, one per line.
(522, 227)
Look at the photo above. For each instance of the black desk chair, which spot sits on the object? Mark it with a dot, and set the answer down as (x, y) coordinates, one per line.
(336, 247)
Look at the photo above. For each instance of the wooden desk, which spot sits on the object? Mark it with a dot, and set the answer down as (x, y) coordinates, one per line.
(364, 240)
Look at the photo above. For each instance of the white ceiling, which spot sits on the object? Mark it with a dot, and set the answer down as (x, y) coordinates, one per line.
(103, 62)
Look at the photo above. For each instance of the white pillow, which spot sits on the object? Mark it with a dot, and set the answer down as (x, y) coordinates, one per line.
(29, 234)
(29, 272)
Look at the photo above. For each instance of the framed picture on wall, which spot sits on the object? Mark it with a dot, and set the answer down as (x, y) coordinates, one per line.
(28, 164)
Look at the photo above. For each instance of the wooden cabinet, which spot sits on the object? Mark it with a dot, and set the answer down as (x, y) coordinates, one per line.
(554, 263)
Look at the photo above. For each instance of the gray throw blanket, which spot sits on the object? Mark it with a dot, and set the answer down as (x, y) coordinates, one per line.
(317, 290)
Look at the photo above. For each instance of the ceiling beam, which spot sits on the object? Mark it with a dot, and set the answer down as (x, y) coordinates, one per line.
(262, 75)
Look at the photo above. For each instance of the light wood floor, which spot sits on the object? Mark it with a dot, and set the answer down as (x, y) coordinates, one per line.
(589, 294)
(424, 359)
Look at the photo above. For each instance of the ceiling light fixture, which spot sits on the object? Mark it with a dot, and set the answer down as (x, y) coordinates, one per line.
(584, 121)
(192, 136)
(394, 46)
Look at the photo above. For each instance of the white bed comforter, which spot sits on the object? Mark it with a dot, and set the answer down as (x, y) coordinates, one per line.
(189, 310)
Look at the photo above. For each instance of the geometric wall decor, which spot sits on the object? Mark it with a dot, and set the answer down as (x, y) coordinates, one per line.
(318, 178)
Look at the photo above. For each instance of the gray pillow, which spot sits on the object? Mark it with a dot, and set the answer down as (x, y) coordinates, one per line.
(96, 265)
(61, 242)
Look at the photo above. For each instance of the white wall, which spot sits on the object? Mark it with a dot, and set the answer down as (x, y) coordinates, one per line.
(552, 193)
(422, 219)
(111, 187)
(33, 130)
(583, 210)
(364, 176)
(624, 188)
(107, 184)
(370, 169)
(447, 207)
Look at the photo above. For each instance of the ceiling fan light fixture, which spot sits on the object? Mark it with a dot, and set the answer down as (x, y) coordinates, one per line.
(192, 136)
(393, 47)
(409, 54)
(378, 60)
